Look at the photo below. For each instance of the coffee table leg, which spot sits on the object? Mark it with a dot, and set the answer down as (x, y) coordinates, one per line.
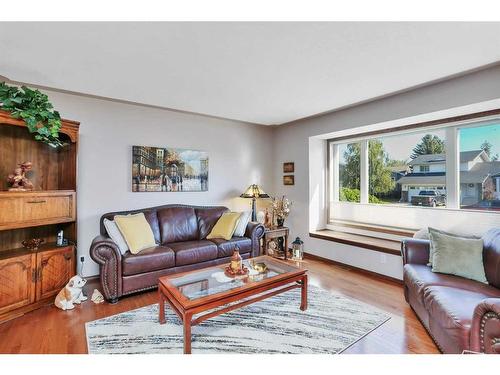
(161, 307)
(303, 300)
(187, 333)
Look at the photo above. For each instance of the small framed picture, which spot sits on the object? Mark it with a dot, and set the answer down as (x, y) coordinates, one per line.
(289, 167)
(289, 180)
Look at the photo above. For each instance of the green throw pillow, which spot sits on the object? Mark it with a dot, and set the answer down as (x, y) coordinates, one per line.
(458, 256)
(431, 247)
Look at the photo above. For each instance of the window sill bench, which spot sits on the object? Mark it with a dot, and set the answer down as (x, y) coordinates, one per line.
(372, 243)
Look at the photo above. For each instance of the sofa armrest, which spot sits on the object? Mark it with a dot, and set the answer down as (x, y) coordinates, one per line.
(415, 251)
(485, 329)
(105, 252)
(255, 231)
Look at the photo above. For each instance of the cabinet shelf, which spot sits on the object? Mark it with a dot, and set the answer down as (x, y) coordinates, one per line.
(19, 251)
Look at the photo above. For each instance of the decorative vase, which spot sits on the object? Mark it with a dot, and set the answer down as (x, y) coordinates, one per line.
(236, 260)
(33, 243)
(280, 221)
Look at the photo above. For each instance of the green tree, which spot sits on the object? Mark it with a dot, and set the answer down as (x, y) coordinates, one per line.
(486, 147)
(380, 181)
(350, 171)
(396, 163)
(429, 144)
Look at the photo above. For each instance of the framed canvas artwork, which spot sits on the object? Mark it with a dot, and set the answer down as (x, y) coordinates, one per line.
(289, 180)
(289, 167)
(157, 169)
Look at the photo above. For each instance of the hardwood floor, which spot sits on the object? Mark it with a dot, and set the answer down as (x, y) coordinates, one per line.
(50, 330)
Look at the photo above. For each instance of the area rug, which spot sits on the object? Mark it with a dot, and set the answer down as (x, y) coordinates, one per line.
(330, 325)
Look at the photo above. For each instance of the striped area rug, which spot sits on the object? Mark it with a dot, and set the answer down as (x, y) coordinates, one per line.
(330, 325)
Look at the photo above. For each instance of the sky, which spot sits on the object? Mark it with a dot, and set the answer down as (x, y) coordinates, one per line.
(192, 157)
(399, 147)
(472, 138)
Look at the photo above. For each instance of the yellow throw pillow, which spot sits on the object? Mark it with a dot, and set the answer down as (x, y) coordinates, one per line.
(136, 231)
(225, 226)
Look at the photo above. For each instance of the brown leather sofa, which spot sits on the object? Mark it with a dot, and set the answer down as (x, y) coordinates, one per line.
(460, 314)
(180, 232)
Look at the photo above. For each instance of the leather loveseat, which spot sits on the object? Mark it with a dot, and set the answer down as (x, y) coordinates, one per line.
(460, 314)
(180, 233)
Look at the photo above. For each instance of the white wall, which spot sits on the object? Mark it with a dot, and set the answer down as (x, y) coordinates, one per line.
(239, 154)
(293, 143)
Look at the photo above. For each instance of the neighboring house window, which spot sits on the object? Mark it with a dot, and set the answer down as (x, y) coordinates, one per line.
(480, 167)
(411, 168)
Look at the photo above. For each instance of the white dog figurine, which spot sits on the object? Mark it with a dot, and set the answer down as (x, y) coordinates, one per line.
(71, 294)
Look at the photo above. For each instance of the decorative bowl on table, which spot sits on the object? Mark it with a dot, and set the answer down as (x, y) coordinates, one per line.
(32, 244)
(229, 272)
(259, 267)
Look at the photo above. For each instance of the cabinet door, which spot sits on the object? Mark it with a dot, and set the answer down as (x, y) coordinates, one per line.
(55, 268)
(17, 282)
(35, 208)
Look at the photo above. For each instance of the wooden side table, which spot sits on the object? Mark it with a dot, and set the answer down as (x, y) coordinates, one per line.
(272, 233)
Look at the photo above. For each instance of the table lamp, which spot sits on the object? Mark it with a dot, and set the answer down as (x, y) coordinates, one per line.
(254, 191)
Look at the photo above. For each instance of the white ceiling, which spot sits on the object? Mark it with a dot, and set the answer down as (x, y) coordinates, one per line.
(266, 73)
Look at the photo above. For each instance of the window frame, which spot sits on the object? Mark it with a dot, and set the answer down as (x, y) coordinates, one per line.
(451, 125)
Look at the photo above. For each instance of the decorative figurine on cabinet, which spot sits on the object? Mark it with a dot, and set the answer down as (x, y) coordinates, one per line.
(18, 180)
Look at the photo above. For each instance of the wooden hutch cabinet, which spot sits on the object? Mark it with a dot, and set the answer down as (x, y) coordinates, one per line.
(30, 279)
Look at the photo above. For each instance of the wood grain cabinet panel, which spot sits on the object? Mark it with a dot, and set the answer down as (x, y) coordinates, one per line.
(33, 279)
(17, 282)
(55, 268)
(27, 209)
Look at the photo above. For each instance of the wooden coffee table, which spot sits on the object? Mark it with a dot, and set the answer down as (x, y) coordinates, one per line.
(195, 292)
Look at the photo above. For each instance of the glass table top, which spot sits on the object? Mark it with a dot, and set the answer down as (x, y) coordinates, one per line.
(207, 282)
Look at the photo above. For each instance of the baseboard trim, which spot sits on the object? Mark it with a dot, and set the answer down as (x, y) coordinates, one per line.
(353, 268)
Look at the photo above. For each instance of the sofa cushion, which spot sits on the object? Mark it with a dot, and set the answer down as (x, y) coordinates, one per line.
(491, 256)
(225, 248)
(178, 224)
(190, 252)
(452, 307)
(417, 277)
(152, 218)
(207, 217)
(458, 256)
(136, 231)
(225, 226)
(151, 259)
(241, 226)
(452, 310)
(116, 235)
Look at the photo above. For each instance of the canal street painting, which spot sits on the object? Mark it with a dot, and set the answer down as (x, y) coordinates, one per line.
(157, 169)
